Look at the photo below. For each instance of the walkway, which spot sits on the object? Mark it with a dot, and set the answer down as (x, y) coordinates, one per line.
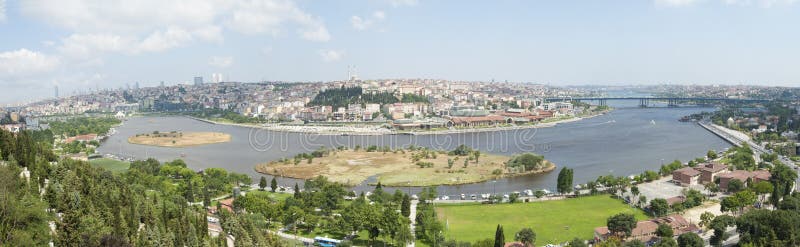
(413, 216)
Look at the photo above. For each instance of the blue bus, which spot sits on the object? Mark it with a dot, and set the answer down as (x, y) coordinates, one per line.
(326, 242)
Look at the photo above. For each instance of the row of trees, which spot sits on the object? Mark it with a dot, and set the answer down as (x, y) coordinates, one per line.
(145, 206)
(344, 96)
(83, 126)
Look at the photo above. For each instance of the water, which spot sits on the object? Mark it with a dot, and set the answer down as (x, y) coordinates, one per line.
(624, 142)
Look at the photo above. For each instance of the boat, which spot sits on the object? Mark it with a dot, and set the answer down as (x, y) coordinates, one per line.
(653, 122)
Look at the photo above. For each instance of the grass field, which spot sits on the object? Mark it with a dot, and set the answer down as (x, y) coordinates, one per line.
(394, 168)
(179, 139)
(111, 164)
(553, 221)
(275, 196)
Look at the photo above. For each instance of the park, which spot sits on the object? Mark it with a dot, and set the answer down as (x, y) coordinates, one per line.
(405, 167)
(554, 221)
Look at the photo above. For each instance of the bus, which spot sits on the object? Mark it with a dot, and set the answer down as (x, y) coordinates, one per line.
(326, 242)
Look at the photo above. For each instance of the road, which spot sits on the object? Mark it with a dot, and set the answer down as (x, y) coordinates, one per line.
(291, 236)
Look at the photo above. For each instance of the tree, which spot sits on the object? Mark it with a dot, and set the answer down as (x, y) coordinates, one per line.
(633, 243)
(450, 163)
(690, 239)
(576, 242)
(273, 184)
(664, 231)
(659, 207)
(719, 225)
(262, 183)
(477, 155)
(666, 242)
(621, 224)
(499, 238)
(769, 228)
(738, 201)
(405, 206)
(782, 178)
(735, 185)
(539, 193)
(762, 189)
(526, 236)
(706, 218)
(711, 154)
(564, 182)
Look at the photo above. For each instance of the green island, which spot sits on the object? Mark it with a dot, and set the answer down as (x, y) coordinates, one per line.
(554, 221)
(412, 166)
(179, 139)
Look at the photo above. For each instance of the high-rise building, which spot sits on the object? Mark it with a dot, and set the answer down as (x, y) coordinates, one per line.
(56, 91)
(162, 83)
(136, 85)
(198, 80)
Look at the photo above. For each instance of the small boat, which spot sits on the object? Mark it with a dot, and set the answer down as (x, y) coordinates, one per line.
(183, 155)
(653, 122)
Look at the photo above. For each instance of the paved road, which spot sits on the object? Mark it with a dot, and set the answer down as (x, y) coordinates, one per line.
(413, 216)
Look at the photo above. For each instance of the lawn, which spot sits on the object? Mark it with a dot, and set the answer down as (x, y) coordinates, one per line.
(111, 164)
(278, 197)
(553, 221)
(396, 168)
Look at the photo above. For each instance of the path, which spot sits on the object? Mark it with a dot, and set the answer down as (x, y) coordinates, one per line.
(291, 236)
(413, 216)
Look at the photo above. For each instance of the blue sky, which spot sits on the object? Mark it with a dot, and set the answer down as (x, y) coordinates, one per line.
(81, 44)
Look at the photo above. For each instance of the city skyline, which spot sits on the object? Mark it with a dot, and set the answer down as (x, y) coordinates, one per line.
(78, 45)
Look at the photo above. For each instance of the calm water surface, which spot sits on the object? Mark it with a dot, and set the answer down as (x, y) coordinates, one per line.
(624, 142)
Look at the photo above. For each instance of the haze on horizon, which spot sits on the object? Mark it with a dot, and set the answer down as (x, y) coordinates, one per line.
(83, 44)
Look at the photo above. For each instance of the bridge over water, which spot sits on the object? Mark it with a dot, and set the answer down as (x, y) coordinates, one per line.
(671, 101)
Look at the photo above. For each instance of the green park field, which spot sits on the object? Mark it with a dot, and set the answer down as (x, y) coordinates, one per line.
(110, 164)
(553, 221)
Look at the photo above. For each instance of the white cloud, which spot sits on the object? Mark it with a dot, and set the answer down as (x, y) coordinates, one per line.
(220, 62)
(164, 40)
(2, 10)
(358, 23)
(331, 55)
(400, 3)
(364, 23)
(23, 62)
(154, 25)
(379, 15)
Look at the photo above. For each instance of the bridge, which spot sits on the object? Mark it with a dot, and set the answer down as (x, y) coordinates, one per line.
(671, 101)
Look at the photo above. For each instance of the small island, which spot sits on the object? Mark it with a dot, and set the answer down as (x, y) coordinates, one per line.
(412, 166)
(179, 139)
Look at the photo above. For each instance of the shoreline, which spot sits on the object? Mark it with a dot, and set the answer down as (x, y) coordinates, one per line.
(362, 131)
(548, 169)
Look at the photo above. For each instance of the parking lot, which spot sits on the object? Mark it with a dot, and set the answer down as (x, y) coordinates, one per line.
(661, 188)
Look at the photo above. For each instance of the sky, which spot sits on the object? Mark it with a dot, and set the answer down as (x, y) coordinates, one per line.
(80, 45)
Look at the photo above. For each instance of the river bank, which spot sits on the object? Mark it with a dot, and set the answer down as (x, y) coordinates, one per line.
(376, 130)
